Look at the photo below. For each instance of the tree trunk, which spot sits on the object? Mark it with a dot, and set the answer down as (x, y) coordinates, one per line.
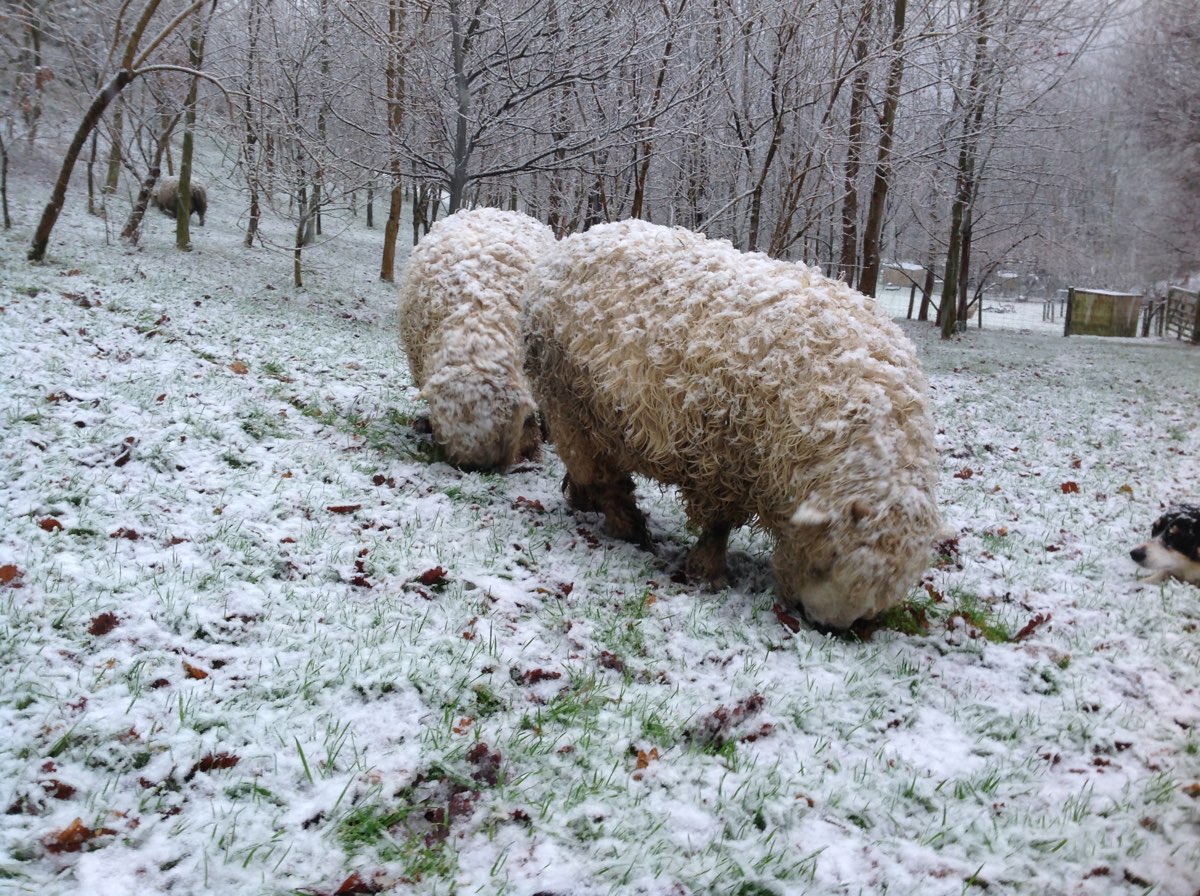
(133, 227)
(644, 150)
(394, 77)
(461, 154)
(964, 268)
(926, 292)
(948, 306)
(4, 182)
(848, 263)
(298, 249)
(872, 238)
(115, 152)
(391, 235)
(30, 102)
(183, 217)
(58, 195)
(250, 157)
(965, 180)
(91, 178)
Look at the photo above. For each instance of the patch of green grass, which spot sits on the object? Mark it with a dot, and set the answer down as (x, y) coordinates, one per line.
(996, 543)
(655, 730)
(916, 616)
(260, 425)
(275, 370)
(365, 826)
(908, 618)
(487, 702)
(980, 617)
(397, 834)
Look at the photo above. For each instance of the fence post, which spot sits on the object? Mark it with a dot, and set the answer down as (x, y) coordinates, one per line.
(1195, 340)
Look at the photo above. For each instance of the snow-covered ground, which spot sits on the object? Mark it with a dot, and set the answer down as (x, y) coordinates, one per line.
(254, 638)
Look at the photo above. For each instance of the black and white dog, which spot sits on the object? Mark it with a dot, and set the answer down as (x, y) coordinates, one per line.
(1173, 550)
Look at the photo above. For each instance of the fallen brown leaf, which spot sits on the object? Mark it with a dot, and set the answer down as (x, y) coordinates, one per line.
(213, 761)
(354, 885)
(433, 578)
(194, 671)
(1031, 626)
(103, 624)
(73, 837)
(787, 619)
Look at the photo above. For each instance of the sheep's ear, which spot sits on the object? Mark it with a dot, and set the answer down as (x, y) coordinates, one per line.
(859, 511)
(811, 514)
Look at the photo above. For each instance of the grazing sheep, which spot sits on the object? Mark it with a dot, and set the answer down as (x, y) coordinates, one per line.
(460, 321)
(166, 197)
(768, 393)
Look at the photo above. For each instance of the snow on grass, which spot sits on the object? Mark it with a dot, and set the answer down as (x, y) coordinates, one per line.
(255, 638)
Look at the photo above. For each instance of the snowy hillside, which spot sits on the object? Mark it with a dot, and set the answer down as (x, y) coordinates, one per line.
(257, 639)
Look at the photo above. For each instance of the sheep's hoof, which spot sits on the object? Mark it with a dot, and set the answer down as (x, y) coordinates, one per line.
(632, 530)
(703, 564)
(580, 497)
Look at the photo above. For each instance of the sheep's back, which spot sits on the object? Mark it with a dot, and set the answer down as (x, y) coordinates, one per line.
(732, 374)
(461, 288)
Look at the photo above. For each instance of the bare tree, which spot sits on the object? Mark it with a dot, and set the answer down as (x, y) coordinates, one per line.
(881, 183)
(1160, 93)
(394, 82)
(135, 54)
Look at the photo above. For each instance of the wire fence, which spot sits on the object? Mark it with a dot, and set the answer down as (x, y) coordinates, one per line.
(1032, 314)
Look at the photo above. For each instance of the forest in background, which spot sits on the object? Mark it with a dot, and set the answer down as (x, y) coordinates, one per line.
(1055, 141)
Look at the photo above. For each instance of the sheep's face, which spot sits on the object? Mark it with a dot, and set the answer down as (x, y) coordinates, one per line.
(488, 433)
(854, 562)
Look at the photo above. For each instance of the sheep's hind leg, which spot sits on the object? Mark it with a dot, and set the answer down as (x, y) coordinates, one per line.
(613, 497)
(595, 484)
(706, 559)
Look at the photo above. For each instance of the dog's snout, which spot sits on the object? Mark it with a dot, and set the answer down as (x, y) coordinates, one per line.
(1138, 554)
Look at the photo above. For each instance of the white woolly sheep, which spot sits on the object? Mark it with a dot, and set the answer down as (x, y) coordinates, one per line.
(768, 393)
(460, 320)
(166, 197)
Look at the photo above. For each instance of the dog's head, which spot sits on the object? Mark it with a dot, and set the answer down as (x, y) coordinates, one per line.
(1174, 546)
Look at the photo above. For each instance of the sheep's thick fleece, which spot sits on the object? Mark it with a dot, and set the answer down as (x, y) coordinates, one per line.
(460, 297)
(767, 392)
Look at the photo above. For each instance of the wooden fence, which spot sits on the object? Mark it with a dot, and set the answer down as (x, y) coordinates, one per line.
(1100, 312)
(1182, 314)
